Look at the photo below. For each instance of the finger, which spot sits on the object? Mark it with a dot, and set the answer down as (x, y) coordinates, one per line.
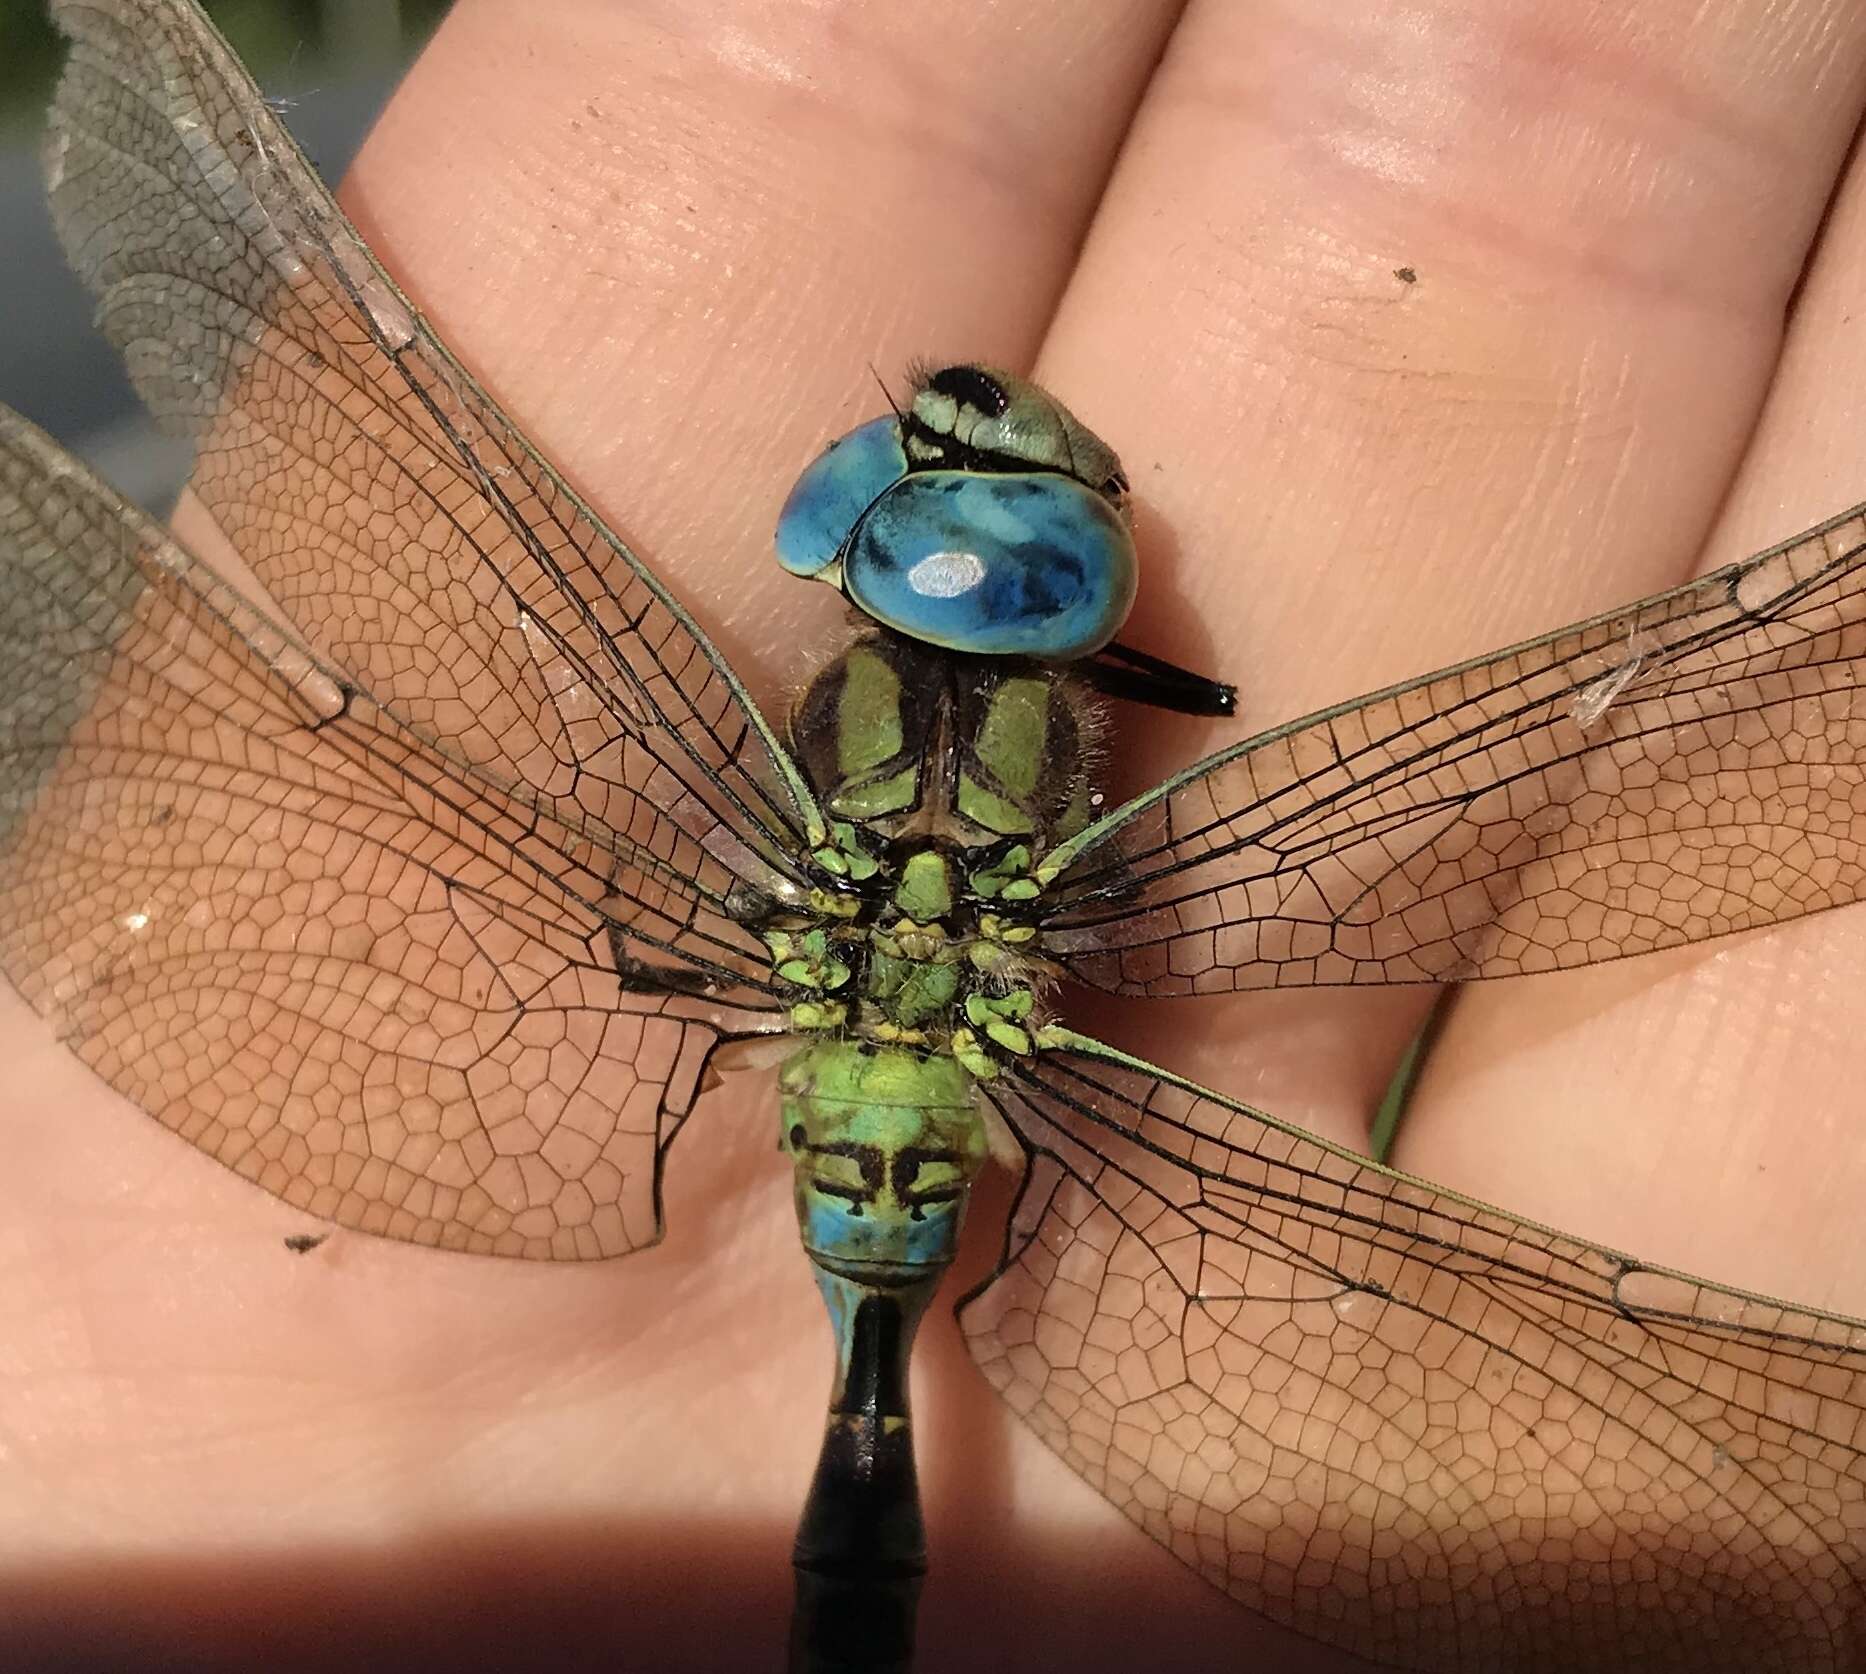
(1702, 1109)
(1418, 346)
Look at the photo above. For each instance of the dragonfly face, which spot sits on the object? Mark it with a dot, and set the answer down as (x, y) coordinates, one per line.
(451, 969)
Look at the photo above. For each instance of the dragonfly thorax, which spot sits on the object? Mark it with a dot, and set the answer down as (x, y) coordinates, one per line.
(916, 748)
(946, 779)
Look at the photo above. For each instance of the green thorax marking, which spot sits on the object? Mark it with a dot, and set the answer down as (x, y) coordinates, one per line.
(926, 889)
(1009, 748)
(873, 775)
(907, 740)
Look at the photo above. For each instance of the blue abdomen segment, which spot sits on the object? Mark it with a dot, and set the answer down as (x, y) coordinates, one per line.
(994, 563)
(842, 482)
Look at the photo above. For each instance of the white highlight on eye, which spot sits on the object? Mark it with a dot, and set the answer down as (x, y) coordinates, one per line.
(946, 575)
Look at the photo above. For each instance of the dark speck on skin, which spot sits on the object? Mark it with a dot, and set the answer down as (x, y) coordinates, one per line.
(1406, 275)
(303, 1243)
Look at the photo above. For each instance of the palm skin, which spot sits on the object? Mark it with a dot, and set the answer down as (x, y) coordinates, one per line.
(670, 240)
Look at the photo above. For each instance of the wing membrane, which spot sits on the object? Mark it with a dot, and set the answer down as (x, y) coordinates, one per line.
(344, 967)
(1679, 769)
(404, 525)
(1405, 1422)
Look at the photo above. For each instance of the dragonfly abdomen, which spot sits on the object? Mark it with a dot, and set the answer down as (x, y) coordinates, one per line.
(886, 1142)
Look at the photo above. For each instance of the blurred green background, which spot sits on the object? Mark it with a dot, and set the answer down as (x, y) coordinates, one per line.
(340, 36)
(331, 63)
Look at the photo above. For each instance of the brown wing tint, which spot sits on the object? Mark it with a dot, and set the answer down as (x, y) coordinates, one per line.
(255, 905)
(1685, 767)
(1406, 1423)
(405, 527)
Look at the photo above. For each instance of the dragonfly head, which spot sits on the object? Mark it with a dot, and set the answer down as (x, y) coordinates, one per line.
(984, 517)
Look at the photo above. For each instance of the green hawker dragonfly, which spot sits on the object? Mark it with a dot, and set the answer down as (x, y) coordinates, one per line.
(430, 911)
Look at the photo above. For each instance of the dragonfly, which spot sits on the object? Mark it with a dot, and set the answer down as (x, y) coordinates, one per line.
(434, 902)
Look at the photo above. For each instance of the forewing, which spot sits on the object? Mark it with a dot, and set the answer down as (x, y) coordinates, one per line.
(334, 961)
(1679, 769)
(1409, 1424)
(402, 523)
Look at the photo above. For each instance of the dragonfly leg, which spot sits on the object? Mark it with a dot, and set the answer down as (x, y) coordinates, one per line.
(1119, 671)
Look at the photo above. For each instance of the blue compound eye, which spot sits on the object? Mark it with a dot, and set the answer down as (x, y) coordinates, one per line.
(840, 484)
(984, 519)
(1030, 564)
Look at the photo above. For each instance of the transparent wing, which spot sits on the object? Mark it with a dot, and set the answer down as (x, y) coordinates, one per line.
(330, 958)
(405, 527)
(1685, 767)
(1409, 1424)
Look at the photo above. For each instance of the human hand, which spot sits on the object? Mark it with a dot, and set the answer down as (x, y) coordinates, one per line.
(670, 244)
